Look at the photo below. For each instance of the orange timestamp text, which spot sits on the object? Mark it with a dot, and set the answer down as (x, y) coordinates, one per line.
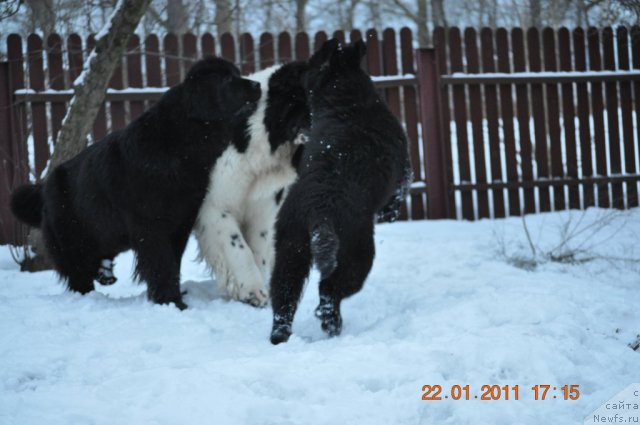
(501, 392)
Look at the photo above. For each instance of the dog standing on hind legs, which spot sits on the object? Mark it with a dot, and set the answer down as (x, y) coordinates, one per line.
(354, 163)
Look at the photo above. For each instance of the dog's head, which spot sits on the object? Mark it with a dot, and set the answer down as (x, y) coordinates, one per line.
(335, 68)
(287, 111)
(215, 91)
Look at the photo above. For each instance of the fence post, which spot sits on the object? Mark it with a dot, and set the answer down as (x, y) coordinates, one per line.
(437, 178)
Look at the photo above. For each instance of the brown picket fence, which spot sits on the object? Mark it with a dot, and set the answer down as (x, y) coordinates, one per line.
(497, 125)
(539, 120)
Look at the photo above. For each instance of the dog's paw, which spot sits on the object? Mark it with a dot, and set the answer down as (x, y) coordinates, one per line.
(332, 325)
(180, 305)
(280, 334)
(329, 315)
(256, 297)
(105, 273)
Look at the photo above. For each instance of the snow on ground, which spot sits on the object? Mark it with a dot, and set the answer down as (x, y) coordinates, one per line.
(441, 306)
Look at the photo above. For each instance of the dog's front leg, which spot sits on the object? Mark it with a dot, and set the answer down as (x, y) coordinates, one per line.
(225, 249)
(157, 266)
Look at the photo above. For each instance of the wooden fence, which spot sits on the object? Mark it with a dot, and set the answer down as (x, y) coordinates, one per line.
(482, 143)
(538, 120)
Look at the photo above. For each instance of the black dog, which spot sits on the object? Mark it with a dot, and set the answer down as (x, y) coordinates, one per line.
(140, 188)
(354, 163)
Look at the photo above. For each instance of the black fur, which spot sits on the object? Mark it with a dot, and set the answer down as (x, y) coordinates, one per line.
(141, 187)
(26, 204)
(287, 110)
(353, 164)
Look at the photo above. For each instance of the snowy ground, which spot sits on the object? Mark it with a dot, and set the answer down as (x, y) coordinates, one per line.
(441, 306)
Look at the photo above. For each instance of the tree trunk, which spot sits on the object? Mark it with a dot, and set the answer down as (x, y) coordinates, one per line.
(301, 15)
(89, 91)
(177, 17)
(223, 17)
(44, 15)
(424, 37)
(535, 13)
(437, 13)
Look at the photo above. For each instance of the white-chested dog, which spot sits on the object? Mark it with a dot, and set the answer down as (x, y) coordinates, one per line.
(235, 224)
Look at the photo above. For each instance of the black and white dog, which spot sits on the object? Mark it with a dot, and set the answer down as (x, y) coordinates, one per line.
(141, 188)
(234, 228)
(354, 163)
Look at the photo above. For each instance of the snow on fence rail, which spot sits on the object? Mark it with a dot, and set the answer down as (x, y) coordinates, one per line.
(499, 122)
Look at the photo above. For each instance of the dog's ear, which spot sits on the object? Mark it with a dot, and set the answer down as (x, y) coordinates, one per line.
(200, 93)
(355, 53)
(321, 58)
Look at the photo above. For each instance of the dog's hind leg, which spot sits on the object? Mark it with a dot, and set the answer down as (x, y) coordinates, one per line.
(355, 259)
(73, 256)
(158, 267)
(293, 261)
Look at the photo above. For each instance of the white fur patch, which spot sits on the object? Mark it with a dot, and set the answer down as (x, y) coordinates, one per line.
(234, 228)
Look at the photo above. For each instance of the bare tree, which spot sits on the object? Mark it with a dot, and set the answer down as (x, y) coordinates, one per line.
(438, 15)
(8, 8)
(44, 15)
(418, 15)
(223, 19)
(301, 15)
(177, 17)
(90, 87)
(535, 13)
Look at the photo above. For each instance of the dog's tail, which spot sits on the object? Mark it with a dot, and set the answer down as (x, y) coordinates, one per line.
(26, 204)
(324, 248)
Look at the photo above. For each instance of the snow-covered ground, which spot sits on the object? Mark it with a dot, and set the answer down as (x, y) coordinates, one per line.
(442, 306)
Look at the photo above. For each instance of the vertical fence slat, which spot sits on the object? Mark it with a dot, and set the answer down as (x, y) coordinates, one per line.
(553, 118)
(6, 156)
(13, 140)
(74, 55)
(475, 109)
(247, 54)
(635, 58)
(208, 44)
(189, 52)
(411, 120)
(118, 118)
(568, 114)
(134, 73)
(354, 36)
(284, 47)
(613, 131)
(595, 62)
(626, 109)
(440, 44)
(537, 104)
(506, 109)
(171, 60)
(390, 67)
(319, 39)
(524, 133)
(582, 98)
(373, 60)
(227, 47)
(19, 127)
(302, 46)
(460, 115)
(56, 81)
(38, 109)
(491, 107)
(266, 50)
